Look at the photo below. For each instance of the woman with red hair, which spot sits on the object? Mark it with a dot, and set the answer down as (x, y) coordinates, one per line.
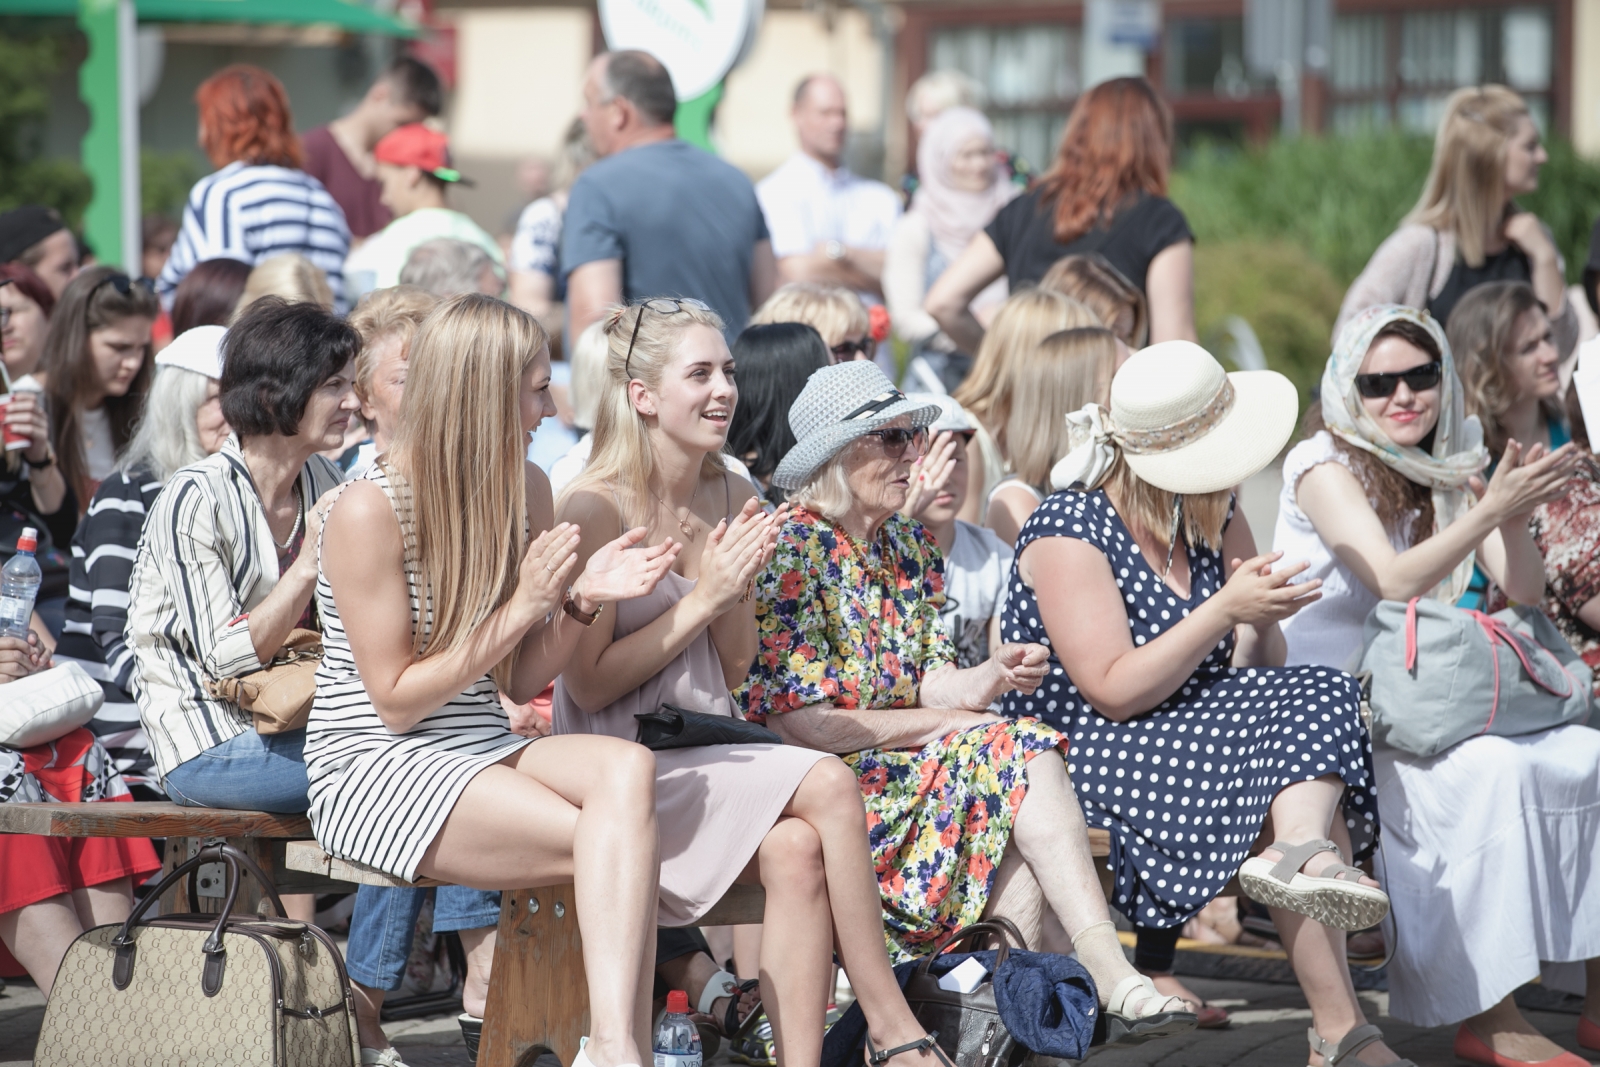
(258, 203)
(1106, 194)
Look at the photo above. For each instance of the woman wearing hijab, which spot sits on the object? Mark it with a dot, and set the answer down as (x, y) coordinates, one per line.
(963, 186)
(1489, 844)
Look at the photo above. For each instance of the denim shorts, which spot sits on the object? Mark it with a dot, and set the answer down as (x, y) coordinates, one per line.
(257, 772)
(385, 918)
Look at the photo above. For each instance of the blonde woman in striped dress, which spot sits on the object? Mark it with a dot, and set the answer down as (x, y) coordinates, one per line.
(444, 581)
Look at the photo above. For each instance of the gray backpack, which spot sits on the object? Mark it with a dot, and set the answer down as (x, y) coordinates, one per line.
(1441, 674)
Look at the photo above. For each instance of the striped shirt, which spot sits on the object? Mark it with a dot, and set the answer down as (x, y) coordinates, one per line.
(97, 612)
(249, 213)
(205, 560)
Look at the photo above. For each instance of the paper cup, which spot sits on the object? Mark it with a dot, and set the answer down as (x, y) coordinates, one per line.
(12, 440)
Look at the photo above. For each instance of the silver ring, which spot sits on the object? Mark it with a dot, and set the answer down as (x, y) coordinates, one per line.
(549, 568)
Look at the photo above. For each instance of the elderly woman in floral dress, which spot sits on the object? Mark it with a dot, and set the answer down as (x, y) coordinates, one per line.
(853, 660)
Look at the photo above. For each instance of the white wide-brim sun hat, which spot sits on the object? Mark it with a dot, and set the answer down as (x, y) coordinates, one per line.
(1186, 425)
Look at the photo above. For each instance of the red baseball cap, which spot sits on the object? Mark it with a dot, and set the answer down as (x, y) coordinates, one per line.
(416, 145)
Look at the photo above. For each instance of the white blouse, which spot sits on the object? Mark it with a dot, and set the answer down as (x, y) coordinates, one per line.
(1326, 633)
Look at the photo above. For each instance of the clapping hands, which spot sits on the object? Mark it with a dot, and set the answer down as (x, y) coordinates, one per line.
(931, 473)
(619, 571)
(736, 552)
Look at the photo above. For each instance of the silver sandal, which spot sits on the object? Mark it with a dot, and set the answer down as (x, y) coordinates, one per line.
(1348, 1046)
(1335, 898)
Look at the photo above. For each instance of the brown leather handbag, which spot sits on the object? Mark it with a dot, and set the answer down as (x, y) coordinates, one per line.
(279, 695)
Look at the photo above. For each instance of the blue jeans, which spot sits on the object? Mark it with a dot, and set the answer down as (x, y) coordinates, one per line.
(257, 772)
(385, 918)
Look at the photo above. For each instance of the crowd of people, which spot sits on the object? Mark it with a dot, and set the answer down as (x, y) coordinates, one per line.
(983, 598)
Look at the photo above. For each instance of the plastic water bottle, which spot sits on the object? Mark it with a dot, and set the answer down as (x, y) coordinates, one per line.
(19, 585)
(677, 1042)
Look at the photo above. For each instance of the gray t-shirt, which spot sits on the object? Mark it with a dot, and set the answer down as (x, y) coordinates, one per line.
(683, 222)
(975, 572)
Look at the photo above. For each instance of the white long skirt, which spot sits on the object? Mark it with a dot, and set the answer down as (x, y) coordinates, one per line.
(1491, 856)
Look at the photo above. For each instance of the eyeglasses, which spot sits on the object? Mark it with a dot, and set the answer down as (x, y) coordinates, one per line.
(896, 440)
(845, 351)
(124, 285)
(1373, 386)
(661, 306)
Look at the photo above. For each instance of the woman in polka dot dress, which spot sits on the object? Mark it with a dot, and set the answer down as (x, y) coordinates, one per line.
(1186, 731)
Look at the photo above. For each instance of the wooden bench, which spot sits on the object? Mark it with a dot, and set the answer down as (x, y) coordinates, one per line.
(539, 997)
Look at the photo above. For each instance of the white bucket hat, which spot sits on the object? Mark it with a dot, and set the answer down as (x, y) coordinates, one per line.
(952, 416)
(199, 350)
(1181, 422)
(839, 404)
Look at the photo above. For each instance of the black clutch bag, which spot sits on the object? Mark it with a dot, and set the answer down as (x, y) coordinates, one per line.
(673, 727)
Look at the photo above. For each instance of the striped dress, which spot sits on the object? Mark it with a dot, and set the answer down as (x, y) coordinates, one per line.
(251, 213)
(378, 797)
(103, 552)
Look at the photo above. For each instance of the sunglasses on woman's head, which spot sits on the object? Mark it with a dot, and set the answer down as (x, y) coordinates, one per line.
(1373, 386)
(896, 439)
(845, 351)
(661, 305)
(124, 285)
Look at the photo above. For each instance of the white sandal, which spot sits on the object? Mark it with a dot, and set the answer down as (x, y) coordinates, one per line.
(1335, 898)
(1156, 1015)
(1346, 1048)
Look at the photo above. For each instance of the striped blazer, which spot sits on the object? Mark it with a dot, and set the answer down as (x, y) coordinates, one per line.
(250, 213)
(206, 559)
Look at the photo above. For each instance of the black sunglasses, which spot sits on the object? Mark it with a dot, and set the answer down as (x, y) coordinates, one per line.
(124, 285)
(845, 351)
(897, 439)
(661, 306)
(1373, 386)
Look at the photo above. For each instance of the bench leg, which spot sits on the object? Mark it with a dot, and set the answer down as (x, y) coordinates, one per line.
(179, 849)
(539, 995)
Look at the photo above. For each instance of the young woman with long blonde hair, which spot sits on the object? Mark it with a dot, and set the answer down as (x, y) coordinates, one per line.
(444, 580)
(1024, 320)
(1467, 228)
(787, 817)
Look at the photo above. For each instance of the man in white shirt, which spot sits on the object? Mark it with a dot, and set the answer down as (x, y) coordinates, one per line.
(828, 225)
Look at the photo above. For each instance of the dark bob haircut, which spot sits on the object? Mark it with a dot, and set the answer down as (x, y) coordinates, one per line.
(274, 358)
(773, 362)
(208, 294)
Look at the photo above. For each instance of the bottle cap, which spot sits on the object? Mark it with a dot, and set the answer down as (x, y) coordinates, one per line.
(29, 541)
(678, 1002)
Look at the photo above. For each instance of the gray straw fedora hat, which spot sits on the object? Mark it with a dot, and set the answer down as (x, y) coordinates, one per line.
(838, 405)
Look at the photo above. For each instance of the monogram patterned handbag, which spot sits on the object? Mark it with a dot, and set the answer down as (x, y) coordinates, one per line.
(226, 990)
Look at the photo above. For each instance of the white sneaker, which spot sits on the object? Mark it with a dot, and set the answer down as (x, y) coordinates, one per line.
(582, 1058)
(381, 1057)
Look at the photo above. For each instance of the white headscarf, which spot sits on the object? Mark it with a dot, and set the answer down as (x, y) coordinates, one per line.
(1458, 452)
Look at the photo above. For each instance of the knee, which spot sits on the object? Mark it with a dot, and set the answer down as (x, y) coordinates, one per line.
(831, 790)
(628, 774)
(791, 858)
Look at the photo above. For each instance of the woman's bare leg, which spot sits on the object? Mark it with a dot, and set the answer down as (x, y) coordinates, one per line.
(797, 939)
(103, 904)
(829, 800)
(1053, 840)
(479, 947)
(38, 936)
(579, 809)
(1016, 896)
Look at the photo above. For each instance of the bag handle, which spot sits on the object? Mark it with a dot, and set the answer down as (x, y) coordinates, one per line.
(216, 954)
(998, 927)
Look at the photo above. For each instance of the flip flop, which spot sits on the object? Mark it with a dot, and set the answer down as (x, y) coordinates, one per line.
(1336, 898)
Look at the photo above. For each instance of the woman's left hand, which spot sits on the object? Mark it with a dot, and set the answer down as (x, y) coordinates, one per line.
(931, 473)
(1021, 667)
(19, 658)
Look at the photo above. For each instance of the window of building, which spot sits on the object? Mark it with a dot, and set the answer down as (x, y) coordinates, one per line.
(1206, 57)
(1032, 72)
(1399, 67)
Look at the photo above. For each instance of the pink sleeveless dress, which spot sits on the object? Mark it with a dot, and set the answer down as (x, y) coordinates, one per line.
(713, 805)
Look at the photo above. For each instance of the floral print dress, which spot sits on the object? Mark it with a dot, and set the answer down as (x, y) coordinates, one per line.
(858, 627)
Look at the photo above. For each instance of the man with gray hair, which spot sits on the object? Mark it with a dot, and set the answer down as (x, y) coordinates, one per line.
(447, 267)
(656, 216)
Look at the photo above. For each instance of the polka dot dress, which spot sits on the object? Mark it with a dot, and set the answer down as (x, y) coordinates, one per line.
(1184, 789)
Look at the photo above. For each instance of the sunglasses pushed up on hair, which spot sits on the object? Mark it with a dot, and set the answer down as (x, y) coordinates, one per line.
(1417, 379)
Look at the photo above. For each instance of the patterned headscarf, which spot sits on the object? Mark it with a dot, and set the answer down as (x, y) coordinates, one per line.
(1458, 452)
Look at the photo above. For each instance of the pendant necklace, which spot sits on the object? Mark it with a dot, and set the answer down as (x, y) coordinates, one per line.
(1172, 537)
(683, 523)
